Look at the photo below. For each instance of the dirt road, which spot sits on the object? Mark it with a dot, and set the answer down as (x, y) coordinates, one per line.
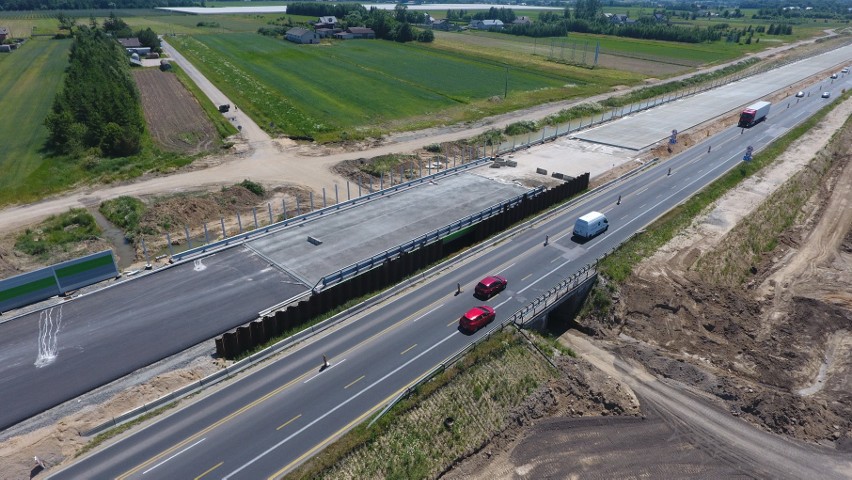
(279, 161)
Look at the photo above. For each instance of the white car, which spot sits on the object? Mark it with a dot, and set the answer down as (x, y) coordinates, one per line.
(833, 76)
(826, 94)
(845, 70)
(800, 94)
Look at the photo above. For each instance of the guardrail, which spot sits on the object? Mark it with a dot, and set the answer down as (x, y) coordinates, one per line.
(421, 241)
(227, 242)
(538, 306)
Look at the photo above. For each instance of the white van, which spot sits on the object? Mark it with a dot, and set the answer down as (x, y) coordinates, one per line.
(590, 225)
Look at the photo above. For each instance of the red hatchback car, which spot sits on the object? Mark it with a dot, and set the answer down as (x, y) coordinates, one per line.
(490, 286)
(476, 318)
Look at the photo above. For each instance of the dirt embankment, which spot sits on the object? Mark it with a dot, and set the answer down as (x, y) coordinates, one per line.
(769, 334)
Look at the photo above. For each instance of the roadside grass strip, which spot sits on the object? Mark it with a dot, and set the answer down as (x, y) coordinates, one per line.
(619, 265)
(415, 439)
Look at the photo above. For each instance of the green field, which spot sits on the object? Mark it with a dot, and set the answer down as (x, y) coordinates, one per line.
(357, 87)
(32, 75)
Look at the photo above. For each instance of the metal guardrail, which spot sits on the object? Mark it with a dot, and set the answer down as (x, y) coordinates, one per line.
(616, 113)
(421, 241)
(236, 239)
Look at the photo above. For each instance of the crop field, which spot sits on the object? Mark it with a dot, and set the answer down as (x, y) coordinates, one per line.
(572, 50)
(176, 121)
(339, 89)
(38, 67)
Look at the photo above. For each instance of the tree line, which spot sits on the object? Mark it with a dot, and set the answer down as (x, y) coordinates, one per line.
(98, 109)
(92, 4)
(395, 25)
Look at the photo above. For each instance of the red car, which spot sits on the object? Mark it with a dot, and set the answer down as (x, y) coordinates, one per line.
(490, 286)
(476, 318)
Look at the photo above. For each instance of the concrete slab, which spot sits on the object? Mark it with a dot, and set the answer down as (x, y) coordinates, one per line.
(346, 237)
(564, 155)
(639, 131)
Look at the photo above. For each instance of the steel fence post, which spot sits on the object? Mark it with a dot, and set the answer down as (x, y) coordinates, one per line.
(186, 231)
(254, 213)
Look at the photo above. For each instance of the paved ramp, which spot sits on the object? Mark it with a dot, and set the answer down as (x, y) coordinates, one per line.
(639, 131)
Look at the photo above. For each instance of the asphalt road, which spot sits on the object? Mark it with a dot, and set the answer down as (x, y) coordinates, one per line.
(54, 355)
(269, 421)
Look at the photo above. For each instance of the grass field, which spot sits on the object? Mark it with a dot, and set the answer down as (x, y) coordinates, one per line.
(354, 88)
(38, 68)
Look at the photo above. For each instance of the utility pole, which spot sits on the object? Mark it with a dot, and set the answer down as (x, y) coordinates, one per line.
(506, 90)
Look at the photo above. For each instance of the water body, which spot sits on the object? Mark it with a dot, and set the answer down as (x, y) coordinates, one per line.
(121, 248)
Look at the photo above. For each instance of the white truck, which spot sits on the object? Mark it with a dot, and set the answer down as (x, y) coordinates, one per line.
(754, 114)
(590, 225)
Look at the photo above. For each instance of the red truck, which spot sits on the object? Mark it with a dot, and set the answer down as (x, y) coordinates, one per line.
(754, 114)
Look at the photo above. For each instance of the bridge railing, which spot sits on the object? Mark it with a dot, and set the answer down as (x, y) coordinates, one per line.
(525, 315)
(435, 235)
(242, 237)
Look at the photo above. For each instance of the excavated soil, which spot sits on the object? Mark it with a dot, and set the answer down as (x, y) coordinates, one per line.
(775, 347)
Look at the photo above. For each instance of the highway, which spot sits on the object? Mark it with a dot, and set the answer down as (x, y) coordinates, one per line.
(53, 355)
(271, 419)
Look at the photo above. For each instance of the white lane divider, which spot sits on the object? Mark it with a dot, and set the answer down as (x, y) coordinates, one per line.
(501, 303)
(427, 313)
(544, 276)
(332, 365)
(504, 269)
(173, 456)
(338, 407)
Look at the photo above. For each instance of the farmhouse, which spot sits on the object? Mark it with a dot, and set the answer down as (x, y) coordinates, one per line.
(130, 42)
(355, 32)
(327, 32)
(4, 33)
(487, 24)
(326, 22)
(522, 20)
(619, 18)
(443, 24)
(302, 35)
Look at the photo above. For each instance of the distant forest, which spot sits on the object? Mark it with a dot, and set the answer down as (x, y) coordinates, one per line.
(92, 4)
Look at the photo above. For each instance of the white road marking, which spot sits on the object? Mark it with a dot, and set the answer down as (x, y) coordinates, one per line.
(173, 456)
(325, 370)
(544, 276)
(339, 406)
(198, 266)
(503, 270)
(640, 192)
(427, 313)
(501, 303)
(48, 330)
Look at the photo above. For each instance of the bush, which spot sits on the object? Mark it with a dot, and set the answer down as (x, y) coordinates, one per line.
(57, 232)
(125, 213)
(518, 128)
(253, 187)
(433, 148)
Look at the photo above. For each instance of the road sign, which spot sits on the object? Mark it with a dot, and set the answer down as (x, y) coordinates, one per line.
(673, 138)
(748, 152)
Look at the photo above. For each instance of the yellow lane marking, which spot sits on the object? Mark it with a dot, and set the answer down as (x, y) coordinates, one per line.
(340, 432)
(354, 382)
(407, 349)
(214, 425)
(214, 467)
(288, 422)
(256, 402)
(528, 276)
(452, 323)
